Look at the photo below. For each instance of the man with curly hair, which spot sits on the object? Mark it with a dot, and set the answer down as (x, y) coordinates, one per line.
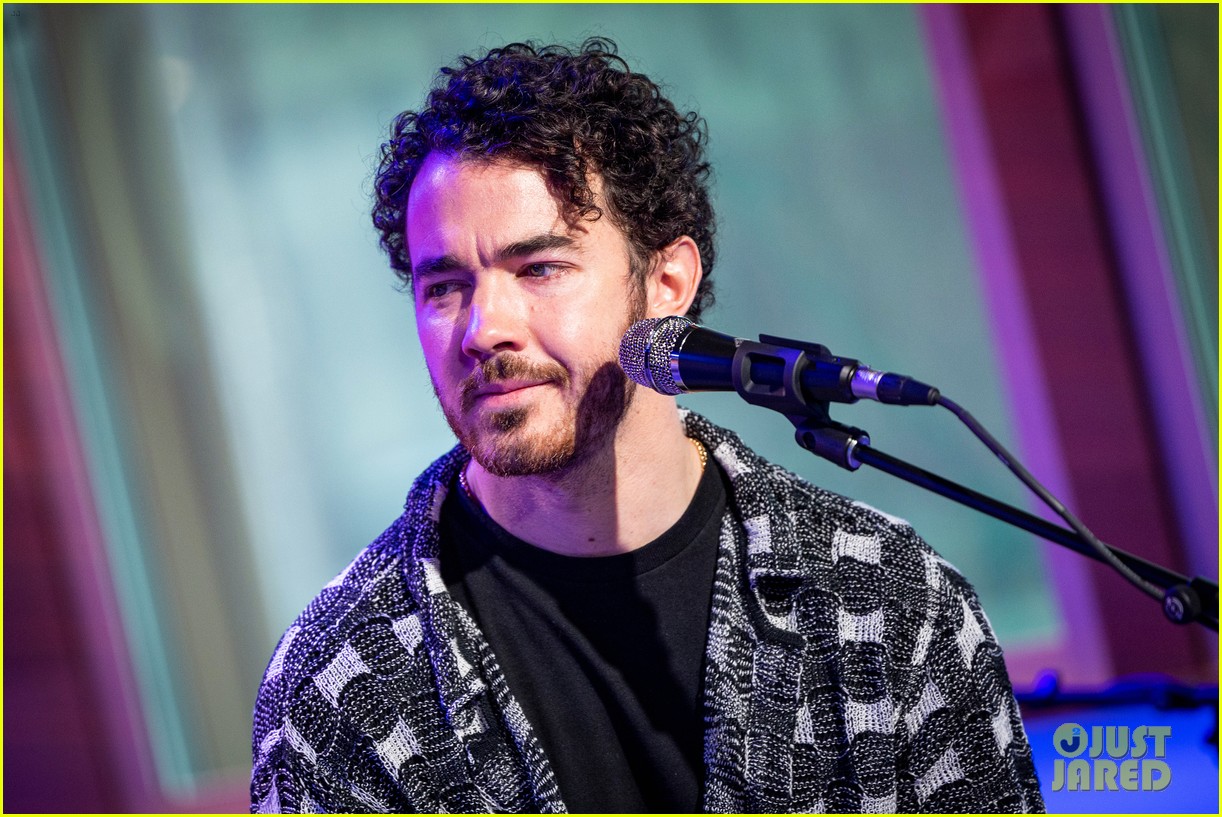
(597, 602)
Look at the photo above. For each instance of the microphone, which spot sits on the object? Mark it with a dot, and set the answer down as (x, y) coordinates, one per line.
(672, 355)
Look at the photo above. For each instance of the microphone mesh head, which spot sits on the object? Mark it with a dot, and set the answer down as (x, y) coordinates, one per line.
(644, 353)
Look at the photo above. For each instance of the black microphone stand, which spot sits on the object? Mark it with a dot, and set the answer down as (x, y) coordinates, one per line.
(1194, 599)
(1184, 599)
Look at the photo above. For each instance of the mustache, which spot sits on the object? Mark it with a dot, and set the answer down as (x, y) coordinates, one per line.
(507, 366)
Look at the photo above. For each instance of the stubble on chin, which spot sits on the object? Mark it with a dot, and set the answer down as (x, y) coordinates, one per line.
(506, 421)
(505, 444)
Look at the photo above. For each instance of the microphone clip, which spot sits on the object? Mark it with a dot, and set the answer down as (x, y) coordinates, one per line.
(811, 377)
(835, 442)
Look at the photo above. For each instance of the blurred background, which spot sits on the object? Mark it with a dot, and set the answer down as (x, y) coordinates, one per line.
(214, 396)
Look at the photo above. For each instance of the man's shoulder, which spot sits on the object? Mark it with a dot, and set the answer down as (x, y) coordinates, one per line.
(373, 586)
(362, 631)
(375, 590)
(798, 527)
(376, 581)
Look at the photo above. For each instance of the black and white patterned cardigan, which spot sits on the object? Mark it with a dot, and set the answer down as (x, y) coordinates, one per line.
(848, 668)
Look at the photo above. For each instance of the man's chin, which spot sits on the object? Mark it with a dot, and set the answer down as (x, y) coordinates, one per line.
(504, 444)
(507, 421)
(505, 456)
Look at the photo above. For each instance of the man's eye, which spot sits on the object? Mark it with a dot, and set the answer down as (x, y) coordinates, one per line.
(440, 290)
(541, 270)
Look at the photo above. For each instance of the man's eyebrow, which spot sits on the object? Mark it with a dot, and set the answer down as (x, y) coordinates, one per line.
(436, 266)
(527, 246)
(534, 244)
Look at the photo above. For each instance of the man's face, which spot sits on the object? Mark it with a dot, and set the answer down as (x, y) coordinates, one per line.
(519, 314)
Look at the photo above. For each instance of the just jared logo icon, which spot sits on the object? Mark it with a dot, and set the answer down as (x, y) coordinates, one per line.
(1070, 742)
(1142, 769)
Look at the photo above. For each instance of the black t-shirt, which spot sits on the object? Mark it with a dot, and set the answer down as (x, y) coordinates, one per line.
(605, 654)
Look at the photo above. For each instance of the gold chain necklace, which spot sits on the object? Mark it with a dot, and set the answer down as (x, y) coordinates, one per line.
(466, 487)
(702, 451)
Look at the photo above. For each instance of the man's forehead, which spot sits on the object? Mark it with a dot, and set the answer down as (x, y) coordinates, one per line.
(447, 183)
(447, 169)
(505, 201)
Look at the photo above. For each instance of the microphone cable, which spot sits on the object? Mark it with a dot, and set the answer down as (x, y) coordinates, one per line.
(1044, 494)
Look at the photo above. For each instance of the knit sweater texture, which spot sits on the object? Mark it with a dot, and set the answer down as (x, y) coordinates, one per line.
(848, 668)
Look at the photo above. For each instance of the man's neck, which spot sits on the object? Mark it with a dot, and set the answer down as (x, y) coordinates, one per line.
(620, 497)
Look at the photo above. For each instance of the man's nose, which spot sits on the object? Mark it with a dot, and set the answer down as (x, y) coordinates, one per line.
(494, 321)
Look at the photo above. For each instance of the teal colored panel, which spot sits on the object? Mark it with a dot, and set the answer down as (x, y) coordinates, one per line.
(1174, 82)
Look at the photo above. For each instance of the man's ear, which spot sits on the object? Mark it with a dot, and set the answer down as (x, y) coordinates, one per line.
(674, 279)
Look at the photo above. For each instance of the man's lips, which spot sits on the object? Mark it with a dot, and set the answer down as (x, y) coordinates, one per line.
(506, 387)
(507, 374)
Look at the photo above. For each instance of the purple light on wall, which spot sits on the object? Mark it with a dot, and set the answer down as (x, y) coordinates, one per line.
(1145, 266)
(1086, 659)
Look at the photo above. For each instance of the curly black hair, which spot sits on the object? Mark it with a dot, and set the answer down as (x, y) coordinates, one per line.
(571, 114)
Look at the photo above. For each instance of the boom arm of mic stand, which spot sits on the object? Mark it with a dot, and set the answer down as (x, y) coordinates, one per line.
(850, 448)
